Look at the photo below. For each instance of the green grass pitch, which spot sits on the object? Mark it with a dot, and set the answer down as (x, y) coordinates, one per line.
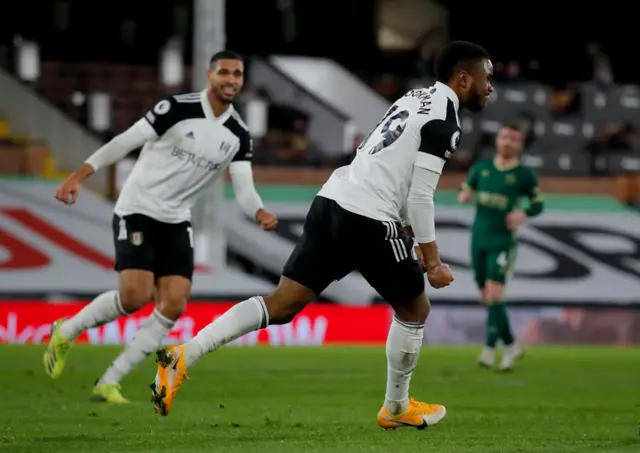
(286, 400)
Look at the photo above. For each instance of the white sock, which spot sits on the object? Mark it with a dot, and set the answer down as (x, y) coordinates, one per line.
(153, 330)
(103, 309)
(403, 348)
(239, 320)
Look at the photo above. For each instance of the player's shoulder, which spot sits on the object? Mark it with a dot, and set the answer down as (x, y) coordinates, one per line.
(434, 102)
(236, 125)
(527, 172)
(484, 163)
(178, 107)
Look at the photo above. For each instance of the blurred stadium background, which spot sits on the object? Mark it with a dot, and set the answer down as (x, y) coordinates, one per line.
(319, 76)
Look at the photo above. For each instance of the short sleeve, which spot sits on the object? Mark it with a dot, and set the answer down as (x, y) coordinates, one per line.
(245, 153)
(240, 130)
(472, 178)
(531, 185)
(170, 111)
(162, 116)
(439, 139)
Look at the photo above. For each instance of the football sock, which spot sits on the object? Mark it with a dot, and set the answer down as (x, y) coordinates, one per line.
(103, 309)
(239, 320)
(152, 332)
(403, 348)
(505, 326)
(493, 324)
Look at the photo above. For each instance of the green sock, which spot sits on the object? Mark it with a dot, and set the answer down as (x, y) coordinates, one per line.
(505, 327)
(493, 326)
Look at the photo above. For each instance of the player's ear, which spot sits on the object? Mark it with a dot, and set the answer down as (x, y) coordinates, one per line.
(465, 79)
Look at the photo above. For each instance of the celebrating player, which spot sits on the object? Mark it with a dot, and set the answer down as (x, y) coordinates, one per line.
(189, 140)
(499, 184)
(355, 223)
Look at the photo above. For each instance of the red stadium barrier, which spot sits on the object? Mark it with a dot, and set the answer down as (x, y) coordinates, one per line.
(319, 324)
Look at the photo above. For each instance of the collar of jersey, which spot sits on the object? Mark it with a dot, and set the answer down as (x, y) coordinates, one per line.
(208, 111)
(450, 94)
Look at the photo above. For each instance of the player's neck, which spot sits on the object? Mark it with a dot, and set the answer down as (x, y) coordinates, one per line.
(217, 106)
(503, 164)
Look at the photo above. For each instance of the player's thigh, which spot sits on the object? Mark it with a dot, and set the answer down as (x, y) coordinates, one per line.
(479, 265)
(319, 258)
(134, 238)
(499, 262)
(174, 252)
(387, 262)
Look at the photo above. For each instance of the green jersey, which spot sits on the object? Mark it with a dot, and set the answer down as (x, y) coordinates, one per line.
(497, 193)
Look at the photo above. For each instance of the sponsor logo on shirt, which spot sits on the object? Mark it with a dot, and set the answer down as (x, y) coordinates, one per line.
(198, 161)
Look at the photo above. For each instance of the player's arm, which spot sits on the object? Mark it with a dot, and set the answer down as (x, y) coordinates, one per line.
(435, 140)
(536, 204)
(421, 213)
(468, 187)
(111, 152)
(243, 186)
(121, 145)
(154, 124)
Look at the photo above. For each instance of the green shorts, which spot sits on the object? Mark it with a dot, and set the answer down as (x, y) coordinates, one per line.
(492, 263)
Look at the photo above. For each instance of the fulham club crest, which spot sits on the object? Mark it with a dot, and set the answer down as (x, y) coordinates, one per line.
(136, 238)
(455, 141)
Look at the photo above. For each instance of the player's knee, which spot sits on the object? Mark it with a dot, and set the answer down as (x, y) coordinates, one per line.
(173, 294)
(133, 298)
(493, 291)
(283, 308)
(172, 308)
(136, 289)
(287, 301)
(416, 311)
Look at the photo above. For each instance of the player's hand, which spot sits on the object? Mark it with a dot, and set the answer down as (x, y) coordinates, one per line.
(440, 275)
(267, 221)
(68, 191)
(421, 260)
(515, 219)
(464, 196)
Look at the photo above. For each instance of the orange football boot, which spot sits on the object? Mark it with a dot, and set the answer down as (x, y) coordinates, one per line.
(172, 370)
(418, 415)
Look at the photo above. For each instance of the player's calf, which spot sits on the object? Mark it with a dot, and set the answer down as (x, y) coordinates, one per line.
(404, 342)
(105, 308)
(172, 292)
(288, 299)
(244, 317)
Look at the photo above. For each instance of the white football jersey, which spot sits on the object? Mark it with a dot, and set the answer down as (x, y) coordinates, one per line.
(189, 148)
(420, 129)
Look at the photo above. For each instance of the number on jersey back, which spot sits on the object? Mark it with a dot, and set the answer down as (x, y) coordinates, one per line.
(386, 132)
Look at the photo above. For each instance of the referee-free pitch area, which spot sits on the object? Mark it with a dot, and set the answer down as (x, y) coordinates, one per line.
(281, 400)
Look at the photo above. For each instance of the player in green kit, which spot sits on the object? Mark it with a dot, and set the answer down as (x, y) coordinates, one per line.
(499, 185)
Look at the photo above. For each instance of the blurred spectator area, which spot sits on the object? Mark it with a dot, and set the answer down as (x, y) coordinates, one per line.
(133, 89)
(19, 156)
(586, 128)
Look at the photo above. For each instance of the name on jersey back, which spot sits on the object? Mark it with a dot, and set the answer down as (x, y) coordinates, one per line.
(424, 97)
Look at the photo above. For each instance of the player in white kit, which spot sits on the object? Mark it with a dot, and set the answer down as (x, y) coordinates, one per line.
(188, 142)
(356, 223)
